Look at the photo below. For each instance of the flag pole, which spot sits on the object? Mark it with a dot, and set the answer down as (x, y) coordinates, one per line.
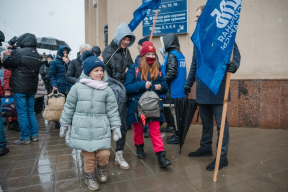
(153, 25)
(224, 112)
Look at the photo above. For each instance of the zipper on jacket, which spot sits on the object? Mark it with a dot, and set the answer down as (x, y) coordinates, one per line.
(91, 115)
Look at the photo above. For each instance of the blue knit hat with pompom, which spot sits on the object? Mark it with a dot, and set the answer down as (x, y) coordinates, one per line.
(90, 61)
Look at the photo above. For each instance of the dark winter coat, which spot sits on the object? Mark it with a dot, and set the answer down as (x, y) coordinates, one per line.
(24, 64)
(135, 88)
(74, 70)
(203, 94)
(44, 72)
(115, 58)
(57, 72)
(171, 43)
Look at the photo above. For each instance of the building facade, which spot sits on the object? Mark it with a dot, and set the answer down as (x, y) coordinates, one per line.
(259, 89)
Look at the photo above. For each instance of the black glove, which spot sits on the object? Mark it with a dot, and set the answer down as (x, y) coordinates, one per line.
(187, 89)
(231, 66)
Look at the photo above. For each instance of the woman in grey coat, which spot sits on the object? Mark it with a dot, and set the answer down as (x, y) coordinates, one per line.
(91, 108)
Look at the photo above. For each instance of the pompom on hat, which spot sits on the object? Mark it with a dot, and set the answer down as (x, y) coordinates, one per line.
(90, 62)
(147, 47)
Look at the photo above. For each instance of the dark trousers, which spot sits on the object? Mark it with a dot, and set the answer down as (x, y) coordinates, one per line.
(121, 142)
(206, 113)
(39, 105)
(169, 117)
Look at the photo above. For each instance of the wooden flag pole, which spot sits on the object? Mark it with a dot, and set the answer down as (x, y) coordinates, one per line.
(153, 25)
(224, 112)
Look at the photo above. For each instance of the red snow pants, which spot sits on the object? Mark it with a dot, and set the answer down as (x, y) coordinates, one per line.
(154, 132)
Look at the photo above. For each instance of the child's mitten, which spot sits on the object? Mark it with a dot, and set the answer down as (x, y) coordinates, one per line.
(116, 133)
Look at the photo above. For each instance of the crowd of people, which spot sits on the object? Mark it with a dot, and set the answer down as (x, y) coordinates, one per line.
(103, 91)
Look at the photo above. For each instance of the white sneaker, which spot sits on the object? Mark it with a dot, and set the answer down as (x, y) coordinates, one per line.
(119, 160)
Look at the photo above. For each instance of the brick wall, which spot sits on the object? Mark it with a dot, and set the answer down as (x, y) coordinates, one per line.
(256, 103)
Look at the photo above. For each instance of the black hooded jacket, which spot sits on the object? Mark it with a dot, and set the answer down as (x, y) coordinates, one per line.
(24, 64)
(44, 72)
(74, 70)
(116, 60)
(171, 43)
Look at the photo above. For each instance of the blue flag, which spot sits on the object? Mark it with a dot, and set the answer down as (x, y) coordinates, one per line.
(214, 38)
(141, 12)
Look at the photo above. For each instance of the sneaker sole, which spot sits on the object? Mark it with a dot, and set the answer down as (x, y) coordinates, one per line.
(91, 188)
(125, 168)
(34, 140)
(22, 143)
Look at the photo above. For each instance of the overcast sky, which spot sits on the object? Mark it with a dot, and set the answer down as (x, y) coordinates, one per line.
(62, 19)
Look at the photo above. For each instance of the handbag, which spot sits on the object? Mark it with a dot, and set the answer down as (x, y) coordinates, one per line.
(55, 106)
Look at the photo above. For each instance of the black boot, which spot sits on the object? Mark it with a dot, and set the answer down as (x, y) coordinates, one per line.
(140, 151)
(167, 130)
(174, 139)
(57, 125)
(201, 152)
(4, 150)
(223, 163)
(162, 160)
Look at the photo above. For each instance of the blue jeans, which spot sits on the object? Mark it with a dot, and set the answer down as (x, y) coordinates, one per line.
(3, 141)
(206, 113)
(26, 116)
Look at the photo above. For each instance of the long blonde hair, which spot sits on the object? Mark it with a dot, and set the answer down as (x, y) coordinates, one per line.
(145, 69)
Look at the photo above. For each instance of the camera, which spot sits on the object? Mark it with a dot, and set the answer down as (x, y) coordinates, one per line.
(12, 42)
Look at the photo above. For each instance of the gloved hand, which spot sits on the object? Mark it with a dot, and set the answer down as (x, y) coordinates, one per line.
(63, 130)
(231, 66)
(117, 134)
(187, 89)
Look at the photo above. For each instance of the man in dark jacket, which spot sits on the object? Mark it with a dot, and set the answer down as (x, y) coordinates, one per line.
(116, 56)
(117, 59)
(44, 72)
(75, 68)
(174, 68)
(57, 73)
(211, 105)
(24, 64)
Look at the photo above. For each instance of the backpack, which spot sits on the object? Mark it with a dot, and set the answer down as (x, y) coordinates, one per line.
(149, 105)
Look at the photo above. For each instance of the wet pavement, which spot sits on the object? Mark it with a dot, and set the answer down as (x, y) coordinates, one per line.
(258, 161)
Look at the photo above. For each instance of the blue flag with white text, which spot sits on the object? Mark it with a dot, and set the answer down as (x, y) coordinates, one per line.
(141, 12)
(214, 38)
